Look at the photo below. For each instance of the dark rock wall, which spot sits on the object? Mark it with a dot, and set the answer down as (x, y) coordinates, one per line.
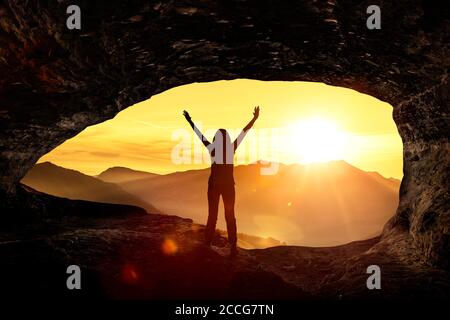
(423, 122)
(55, 82)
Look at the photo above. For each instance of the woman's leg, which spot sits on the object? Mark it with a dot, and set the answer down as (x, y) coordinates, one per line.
(228, 196)
(213, 207)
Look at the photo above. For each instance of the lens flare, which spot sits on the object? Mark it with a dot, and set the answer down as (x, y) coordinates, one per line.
(129, 274)
(169, 247)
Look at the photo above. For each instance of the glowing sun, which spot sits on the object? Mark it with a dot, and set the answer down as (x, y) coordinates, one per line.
(317, 140)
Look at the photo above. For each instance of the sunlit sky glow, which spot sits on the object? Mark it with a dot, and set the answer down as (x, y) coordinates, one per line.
(312, 122)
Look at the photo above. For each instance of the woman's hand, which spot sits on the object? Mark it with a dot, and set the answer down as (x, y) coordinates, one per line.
(255, 116)
(187, 116)
(256, 113)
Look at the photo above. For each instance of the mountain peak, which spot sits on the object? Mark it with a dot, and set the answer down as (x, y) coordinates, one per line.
(118, 174)
(68, 183)
(124, 169)
(46, 164)
(333, 164)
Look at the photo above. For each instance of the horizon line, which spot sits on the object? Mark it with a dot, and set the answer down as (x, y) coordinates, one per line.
(207, 167)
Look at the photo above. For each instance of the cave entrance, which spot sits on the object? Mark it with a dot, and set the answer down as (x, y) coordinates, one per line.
(336, 154)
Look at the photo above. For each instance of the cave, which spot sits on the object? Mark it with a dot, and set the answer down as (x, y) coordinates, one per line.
(56, 82)
(314, 139)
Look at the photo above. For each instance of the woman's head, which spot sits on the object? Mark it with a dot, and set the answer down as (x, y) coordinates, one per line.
(222, 136)
(223, 148)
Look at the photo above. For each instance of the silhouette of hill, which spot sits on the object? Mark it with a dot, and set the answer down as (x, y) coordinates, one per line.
(311, 205)
(122, 174)
(55, 180)
(58, 181)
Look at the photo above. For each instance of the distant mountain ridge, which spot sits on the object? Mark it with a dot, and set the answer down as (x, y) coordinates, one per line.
(52, 179)
(321, 204)
(55, 180)
(123, 174)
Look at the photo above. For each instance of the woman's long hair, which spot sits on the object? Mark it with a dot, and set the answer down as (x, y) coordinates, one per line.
(223, 148)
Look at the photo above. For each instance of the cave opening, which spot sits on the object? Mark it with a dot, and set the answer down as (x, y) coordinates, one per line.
(336, 153)
(55, 83)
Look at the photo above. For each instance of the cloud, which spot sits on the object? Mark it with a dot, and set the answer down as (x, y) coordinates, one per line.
(104, 154)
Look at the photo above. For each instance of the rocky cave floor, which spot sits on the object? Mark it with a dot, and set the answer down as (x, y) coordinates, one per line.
(162, 257)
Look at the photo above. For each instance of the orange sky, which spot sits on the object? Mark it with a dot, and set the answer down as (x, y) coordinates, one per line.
(299, 122)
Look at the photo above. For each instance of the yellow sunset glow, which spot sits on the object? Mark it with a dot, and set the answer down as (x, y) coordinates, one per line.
(300, 122)
(318, 140)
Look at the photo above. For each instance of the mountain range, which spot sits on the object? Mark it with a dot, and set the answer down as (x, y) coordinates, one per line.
(313, 205)
(321, 204)
(66, 183)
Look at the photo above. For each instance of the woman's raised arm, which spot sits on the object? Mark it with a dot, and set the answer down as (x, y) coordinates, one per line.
(244, 131)
(196, 130)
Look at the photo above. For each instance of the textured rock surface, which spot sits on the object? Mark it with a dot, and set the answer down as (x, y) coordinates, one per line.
(423, 122)
(130, 257)
(56, 82)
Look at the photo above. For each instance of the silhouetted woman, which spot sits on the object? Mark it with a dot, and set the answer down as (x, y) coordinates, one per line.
(221, 180)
